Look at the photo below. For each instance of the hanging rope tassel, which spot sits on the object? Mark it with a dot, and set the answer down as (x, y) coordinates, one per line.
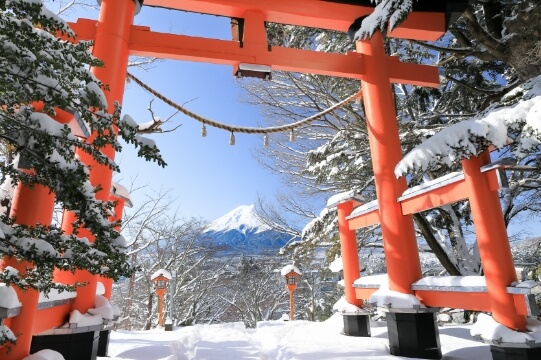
(204, 131)
(292, 135)
(232, 139)
(265, 140)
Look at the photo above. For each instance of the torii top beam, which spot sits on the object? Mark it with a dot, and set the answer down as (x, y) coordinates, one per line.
(253, 47)
(428, 24)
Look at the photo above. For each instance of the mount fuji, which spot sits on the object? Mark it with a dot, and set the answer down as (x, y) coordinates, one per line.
(242, 231)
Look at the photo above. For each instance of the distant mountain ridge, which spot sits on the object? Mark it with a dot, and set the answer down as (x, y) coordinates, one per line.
(242, 231)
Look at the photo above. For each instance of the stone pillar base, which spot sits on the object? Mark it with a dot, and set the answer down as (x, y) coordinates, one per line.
(414, 335)
(515, 353)
(356, 324)
(79, 346)
(103, 343)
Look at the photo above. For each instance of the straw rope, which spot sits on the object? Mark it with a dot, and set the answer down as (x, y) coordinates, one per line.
(242, 129)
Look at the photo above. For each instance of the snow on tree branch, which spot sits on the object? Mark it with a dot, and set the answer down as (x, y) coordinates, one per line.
(517, 118)
(386, 14)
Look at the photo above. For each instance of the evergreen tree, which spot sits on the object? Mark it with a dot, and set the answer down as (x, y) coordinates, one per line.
(43, 70)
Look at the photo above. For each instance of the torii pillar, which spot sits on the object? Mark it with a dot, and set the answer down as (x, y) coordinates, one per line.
(493, 243)
(111, 46)
(355, 323)
(30, 206)
(410, 334)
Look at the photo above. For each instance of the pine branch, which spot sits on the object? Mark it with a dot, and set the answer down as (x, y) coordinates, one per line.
(462, 51)
(487, 41)
(472, 88)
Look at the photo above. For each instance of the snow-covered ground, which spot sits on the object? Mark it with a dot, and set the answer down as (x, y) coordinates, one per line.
(277, 340)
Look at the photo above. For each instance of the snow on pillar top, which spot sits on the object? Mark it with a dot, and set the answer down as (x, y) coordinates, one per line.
(162, 272)
(344, 197)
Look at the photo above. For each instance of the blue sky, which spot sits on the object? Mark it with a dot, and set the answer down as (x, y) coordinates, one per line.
(207, 176)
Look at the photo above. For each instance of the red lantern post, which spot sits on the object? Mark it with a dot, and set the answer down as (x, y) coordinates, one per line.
(160, 278)
(291, 273)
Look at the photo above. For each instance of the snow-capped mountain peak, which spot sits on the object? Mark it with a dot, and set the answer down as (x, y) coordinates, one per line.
(242, 231)
(243, 218)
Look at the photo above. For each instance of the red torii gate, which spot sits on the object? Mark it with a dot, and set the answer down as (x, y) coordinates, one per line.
(116, 38)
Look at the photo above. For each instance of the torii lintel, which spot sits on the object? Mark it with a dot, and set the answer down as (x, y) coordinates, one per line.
(427, 22)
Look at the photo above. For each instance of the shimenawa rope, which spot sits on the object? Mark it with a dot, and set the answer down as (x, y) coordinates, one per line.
(241, 129)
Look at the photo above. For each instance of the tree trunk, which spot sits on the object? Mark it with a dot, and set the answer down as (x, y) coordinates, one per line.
(148, 324)
(442, 256)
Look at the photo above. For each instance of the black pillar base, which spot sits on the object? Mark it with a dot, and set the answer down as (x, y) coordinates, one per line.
(103, 343)
(509, 353)
(414, 335)
(168, 327)
(81, 346)
(357, 325)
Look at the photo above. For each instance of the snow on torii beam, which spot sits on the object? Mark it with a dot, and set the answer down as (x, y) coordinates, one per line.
(441, 193)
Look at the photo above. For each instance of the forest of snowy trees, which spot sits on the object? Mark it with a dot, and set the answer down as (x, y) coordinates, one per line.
(208, 288)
